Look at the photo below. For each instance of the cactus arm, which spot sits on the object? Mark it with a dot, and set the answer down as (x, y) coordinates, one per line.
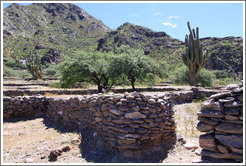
(194, 34)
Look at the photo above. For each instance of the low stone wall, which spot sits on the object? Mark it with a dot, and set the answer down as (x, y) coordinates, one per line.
(131, 123)
(221, 117)
(24, 106)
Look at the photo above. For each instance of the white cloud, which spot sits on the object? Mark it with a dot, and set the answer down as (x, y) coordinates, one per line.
(171, 17)
(169, 24)
(160, 20)
(158, 14)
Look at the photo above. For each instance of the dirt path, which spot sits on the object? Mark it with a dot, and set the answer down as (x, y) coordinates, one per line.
(186, 120)
(32, 140)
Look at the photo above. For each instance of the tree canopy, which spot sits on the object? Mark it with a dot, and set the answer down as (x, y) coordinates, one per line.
(109, 69)
(136, 66)
(90, 67)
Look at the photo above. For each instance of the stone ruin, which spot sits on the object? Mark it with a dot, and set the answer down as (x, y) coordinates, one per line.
(132, 125)
(221, 117)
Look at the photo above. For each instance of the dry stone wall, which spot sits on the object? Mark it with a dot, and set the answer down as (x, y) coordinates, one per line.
(221, 117)
(131, 123)
(24, 106)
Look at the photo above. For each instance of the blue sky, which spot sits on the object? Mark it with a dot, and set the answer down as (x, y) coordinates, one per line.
(213, 19)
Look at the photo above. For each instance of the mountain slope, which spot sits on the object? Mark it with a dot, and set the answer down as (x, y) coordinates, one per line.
(58, 29)
(61, 26)
(226, 53)
(154, 44)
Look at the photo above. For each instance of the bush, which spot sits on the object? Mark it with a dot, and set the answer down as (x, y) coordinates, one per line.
(9, 62)
(181, 76)
(220, 73)
(205, 78)
(51, 71)
(9, 72)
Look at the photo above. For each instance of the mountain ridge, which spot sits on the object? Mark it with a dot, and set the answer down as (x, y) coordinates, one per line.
(64, 28)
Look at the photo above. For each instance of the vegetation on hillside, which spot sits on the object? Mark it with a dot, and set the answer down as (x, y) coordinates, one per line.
(59, 31)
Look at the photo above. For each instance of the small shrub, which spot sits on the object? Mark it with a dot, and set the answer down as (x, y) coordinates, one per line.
(55, 85)
(181, 76)
(226, 81)
(51, 71)
(205, 78)
(220, 73)
(9, 72)
(9, 62)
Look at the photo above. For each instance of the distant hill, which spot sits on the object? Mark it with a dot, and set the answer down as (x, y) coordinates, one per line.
(158, 45)
(62, 27)
(58, 29)
(226, 53)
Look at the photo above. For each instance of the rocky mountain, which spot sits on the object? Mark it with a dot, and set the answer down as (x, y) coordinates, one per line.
(62, 27)
(225, 53)
(57, 29)
(155, 44)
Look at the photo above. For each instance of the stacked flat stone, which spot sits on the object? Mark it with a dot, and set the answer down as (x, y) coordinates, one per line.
(24, 106)
(221, 117)
(130, 122)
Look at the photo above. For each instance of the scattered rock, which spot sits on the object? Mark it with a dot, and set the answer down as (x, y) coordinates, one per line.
(189, 146)
(66, 149)
(29, 160)
(54, 154)
(180, 139)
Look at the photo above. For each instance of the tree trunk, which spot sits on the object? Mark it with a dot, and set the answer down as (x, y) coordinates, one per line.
(132, 83)
(100, 88)
(192, 79)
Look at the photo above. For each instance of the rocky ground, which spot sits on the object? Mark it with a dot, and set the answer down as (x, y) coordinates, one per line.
(33, 141)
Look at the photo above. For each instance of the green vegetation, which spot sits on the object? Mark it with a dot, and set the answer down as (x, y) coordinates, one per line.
(90, 67)
(108, 70)
(181, 76)
(193, 57)
(10, 72)
(130, 55)
(34, 65)
(135, 66)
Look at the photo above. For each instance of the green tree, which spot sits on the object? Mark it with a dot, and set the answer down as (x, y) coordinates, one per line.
(135, 66)
(193, 57)
(90, 67)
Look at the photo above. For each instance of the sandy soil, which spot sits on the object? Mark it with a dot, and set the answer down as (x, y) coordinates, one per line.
(33, 140)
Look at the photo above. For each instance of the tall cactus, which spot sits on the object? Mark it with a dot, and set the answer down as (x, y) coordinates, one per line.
(193, 56)
(34, 65)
